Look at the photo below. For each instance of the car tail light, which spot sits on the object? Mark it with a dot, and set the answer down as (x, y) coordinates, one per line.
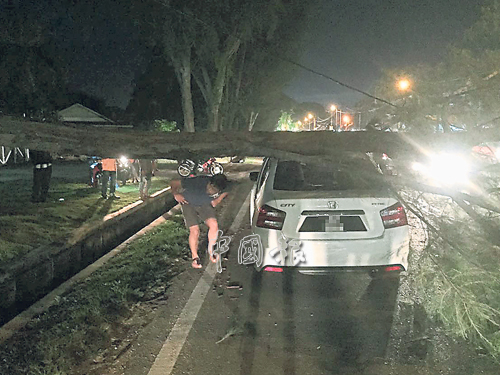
(393, 269)
(273, 269)
(270, 218)
(394, 216)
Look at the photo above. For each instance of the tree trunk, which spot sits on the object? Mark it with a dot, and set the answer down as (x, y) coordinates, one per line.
(220, 82)
(66, 140)
(182, 68)
(218, 91)
(251, 120)
(233, 101)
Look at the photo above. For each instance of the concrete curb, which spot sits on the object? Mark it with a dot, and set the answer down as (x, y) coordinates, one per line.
(20, 321)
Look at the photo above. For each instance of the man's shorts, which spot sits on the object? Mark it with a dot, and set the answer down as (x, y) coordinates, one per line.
(192, 214)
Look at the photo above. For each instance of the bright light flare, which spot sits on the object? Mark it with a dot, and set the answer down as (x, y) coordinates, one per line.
(404, 84)
(124, 160)
(446, 169)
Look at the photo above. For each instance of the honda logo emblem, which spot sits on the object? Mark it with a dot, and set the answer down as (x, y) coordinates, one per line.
(332, 204)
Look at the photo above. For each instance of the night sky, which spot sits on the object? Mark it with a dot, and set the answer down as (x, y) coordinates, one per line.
(353, 41)
(349, 40)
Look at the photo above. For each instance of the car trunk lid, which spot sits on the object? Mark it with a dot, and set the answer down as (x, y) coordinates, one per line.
(327, 215)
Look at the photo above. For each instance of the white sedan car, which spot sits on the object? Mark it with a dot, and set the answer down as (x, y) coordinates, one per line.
(319, 218)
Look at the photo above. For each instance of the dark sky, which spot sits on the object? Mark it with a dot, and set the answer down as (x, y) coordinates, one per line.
(354, 40)
(349, 40)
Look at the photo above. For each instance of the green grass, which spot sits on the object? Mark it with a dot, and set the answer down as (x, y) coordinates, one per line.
(86, 320)
(25, 226)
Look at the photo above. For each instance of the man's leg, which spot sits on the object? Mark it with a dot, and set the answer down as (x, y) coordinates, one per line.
(194, 235)
(46, 173)
(35, 195)
(105, 178)
(147, 185)
(213, 228)
(112, 186)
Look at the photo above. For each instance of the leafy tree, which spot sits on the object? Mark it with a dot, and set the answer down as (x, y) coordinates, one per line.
(32, 75)
(226, 46)
(166, 126)
(286, 123)
(156, 95)
(461, 91)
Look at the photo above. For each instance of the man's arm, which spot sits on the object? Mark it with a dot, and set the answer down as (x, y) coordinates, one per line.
(219, 199)
(176, 187)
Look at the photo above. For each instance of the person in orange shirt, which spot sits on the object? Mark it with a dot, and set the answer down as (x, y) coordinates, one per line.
(109, 174)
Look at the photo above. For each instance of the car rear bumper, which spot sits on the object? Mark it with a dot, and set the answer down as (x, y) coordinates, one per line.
(374, 271)
(390, 249)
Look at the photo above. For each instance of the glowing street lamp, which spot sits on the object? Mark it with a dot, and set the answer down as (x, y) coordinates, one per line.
(346, 119)
(403, 84)
(333, 112)
(310, 117)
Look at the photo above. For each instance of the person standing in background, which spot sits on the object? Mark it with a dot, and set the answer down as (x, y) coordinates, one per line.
(134, 166)
(146, 167)
(42, 172)
(109, 174)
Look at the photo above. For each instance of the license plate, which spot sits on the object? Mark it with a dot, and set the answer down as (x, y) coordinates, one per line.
(333, 224)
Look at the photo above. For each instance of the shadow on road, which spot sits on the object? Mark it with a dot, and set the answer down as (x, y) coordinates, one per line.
(334, 324)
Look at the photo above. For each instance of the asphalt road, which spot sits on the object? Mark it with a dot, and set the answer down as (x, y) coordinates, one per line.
(267, 323)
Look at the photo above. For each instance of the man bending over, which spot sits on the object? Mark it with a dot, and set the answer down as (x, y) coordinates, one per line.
(198, 197)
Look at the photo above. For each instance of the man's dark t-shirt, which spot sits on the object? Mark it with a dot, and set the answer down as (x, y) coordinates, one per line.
(195, 190)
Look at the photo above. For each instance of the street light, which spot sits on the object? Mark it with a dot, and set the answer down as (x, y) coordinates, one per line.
(346, 119)
(310, 116)
(333, 112)
(403, 84)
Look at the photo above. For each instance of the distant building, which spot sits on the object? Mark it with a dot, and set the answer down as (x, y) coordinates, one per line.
(79, 115)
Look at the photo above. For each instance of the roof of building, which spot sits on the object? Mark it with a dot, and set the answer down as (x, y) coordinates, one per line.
(81, 114)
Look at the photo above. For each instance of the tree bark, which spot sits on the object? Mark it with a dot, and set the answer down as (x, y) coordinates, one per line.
(183, 72)
(219, 83)
(65, 140)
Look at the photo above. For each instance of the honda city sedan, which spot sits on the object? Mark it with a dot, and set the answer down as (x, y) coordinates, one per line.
(318, 218)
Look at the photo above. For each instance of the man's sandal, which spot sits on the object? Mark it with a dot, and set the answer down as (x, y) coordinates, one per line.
(196, 263)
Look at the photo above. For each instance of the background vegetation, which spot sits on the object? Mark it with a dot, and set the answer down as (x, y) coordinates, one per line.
(90, 322)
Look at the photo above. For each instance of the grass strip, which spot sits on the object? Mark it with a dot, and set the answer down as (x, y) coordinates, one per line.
(26, 226)
(86, 321)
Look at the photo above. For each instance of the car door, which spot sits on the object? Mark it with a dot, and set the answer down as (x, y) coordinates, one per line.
(258, 188)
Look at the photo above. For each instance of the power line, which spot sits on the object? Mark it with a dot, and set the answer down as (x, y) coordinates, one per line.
(287, 60)
(338, 82)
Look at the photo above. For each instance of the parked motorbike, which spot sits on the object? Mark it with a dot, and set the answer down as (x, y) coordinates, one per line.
(384, 163)
(123, 172)
(188, 167)
(95, 172)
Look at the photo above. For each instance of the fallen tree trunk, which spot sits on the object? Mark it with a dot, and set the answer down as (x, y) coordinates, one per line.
(65, 140)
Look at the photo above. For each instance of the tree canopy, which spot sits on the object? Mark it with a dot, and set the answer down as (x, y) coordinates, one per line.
(461, 92)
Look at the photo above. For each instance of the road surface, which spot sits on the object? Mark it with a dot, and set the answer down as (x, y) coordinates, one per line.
(243, 322)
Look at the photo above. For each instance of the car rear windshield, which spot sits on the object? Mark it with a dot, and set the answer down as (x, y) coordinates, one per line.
(354, 175)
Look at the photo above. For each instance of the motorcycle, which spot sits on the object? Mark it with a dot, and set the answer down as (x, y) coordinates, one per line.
(123, 171)
(188, 167)
(95, 172)
(383, 163)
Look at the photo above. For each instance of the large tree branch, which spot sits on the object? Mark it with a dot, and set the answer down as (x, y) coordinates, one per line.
(65, 140)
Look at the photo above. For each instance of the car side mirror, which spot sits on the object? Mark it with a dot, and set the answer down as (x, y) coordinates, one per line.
(254, 175)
